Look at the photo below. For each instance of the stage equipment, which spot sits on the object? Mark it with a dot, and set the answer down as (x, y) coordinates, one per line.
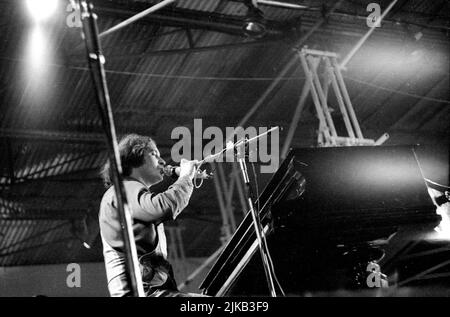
(328, 214)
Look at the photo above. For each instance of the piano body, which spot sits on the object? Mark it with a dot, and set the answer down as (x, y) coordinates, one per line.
(327, 213)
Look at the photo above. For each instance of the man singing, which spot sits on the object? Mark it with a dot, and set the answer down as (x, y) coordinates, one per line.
(143, 167)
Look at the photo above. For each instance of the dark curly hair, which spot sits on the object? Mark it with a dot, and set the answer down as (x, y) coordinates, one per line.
(132, 149)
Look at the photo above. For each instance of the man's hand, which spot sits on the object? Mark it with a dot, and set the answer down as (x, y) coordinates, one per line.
(188, 168)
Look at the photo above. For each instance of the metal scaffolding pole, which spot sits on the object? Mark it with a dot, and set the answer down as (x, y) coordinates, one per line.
(339, 98)
(348, 103)
(136, 17)
(313, 63)
(322, 122)
(282, 4)
(327, 136)
(96, 64)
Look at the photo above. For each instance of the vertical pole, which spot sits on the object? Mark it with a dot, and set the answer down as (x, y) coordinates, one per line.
(314, 62)
(348, 103)
(322, 122)
(338, 94)
(96, 61)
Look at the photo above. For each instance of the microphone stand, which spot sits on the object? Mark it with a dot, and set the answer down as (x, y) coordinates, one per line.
(96, 61)
(260, 236)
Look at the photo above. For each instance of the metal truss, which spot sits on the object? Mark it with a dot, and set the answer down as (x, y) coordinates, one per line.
(311, 60)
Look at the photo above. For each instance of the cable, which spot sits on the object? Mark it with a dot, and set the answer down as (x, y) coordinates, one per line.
(195, 177)
(289, 78)
(198, 185)
(195, 77)
(114, 72)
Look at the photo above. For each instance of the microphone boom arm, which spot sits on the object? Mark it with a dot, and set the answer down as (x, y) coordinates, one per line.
(213, 157)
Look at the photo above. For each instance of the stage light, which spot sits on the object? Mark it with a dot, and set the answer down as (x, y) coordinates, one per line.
(254, 28)
(37, 72)
(37, 50)
(41, 10)
(254, 24)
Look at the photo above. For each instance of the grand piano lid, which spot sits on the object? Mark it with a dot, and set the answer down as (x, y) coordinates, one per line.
(363, 180)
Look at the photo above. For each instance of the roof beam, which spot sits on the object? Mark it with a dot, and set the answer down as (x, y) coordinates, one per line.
(47, 135)
(178, 17)
(193, 49)
(58, 136)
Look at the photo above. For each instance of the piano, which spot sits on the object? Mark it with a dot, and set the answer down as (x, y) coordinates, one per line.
(326, 214)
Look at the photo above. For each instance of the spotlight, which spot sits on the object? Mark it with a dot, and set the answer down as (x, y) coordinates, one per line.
(254, 29)
(254, 23)
(41, 10)
(37, 49)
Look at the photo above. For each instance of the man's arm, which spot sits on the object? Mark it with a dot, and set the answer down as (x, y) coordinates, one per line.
(149, 207)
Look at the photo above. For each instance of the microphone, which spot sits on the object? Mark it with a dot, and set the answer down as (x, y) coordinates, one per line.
(174, 172)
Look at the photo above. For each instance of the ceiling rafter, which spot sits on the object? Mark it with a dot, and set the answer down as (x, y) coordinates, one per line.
(178, 17)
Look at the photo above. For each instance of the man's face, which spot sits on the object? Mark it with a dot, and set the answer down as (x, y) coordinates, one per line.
(152, 168)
